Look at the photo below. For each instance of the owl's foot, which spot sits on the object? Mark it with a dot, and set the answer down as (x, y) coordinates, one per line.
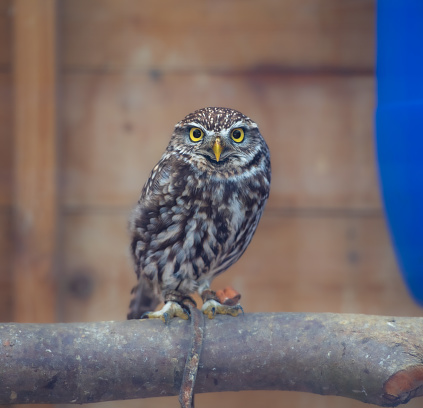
(220, 303)
(212, 307)
(170, 310)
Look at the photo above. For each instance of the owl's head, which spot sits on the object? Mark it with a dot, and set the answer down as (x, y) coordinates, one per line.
(218, 137)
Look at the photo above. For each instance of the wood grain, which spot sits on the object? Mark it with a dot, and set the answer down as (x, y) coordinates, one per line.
(35, 210)
(218, 35)
(249, 399)
(320, 264)
(319, 129)
(5, 34)
(97, 271)
(6, 141)
(6, 276)
(6, 165)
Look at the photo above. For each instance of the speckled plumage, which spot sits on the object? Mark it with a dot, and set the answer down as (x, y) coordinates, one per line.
(196, 215)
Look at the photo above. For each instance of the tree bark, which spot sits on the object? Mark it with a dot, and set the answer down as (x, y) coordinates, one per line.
(373, 359)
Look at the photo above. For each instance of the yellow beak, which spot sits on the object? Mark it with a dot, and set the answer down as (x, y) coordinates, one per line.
(217, 147)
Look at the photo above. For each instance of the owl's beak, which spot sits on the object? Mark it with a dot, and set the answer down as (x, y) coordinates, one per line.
(217, 147)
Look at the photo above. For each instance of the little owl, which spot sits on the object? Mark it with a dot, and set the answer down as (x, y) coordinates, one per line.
(198, 212)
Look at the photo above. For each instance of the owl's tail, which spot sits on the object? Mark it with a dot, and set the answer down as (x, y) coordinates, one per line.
(143, 299)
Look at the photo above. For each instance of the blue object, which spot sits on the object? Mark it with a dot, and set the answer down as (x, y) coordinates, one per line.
(399, 131)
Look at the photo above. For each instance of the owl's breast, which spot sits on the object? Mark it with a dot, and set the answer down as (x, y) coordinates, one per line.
(223, 223)
(195, 229)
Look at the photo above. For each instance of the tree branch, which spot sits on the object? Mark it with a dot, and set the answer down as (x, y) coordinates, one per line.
(373, 359)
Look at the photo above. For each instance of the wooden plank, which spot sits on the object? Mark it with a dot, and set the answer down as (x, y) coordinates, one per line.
(5, 138)
(6, 275)
(35, 208)
(250, 399)
(319, 129)
(97, 271)
(310, 264)
(6, 238)
(5, 34)
(218, 35)
(318, 264)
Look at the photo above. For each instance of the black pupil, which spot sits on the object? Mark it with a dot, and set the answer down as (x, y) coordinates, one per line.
(197, 133)
(237, 134)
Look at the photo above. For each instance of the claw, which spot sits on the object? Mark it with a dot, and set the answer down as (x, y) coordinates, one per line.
(212, 307)
(168, 311)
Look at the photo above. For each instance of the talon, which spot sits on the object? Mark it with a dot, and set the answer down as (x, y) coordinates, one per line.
(168, 311)
(212, 307)
(239, 307)
(165, 317)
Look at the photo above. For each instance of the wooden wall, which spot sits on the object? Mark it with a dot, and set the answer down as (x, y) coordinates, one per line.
(129, 70)
(6, 151)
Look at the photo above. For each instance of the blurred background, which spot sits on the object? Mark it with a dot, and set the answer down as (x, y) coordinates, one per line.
(89, 94)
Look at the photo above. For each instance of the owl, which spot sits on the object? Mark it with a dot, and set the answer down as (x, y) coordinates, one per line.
(197, 212)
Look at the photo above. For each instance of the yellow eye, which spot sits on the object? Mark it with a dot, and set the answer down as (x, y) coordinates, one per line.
(237, 135)
(196, 134)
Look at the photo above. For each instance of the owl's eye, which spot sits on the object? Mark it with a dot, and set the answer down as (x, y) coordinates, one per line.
(196, 134)
(237, 135)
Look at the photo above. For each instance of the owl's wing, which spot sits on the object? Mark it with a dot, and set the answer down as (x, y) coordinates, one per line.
(144, 297)
(159, 177)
